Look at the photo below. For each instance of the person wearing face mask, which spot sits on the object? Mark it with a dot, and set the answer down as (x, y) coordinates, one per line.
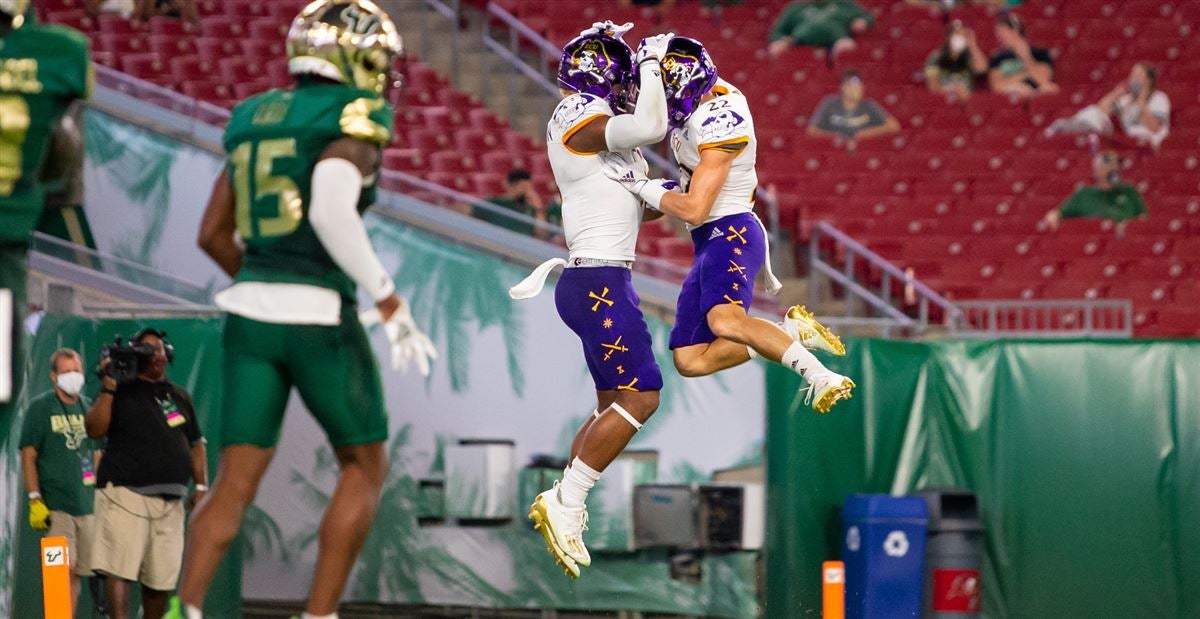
(849, 117)
(1109, 198)
(154, 452)
(1143, 109)
(59, 461)
(1018, 68)
(952, 68)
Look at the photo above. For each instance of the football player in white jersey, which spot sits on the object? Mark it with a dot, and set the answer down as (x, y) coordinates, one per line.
(595, 295)
(714, 144)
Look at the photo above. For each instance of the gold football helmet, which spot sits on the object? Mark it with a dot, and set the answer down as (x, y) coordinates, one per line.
(349, 41)
(15, 9)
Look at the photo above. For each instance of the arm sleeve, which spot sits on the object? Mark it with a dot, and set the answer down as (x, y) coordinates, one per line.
(648, 122)
(336, 185)
(786, 22)
(722, 124)
(1137, 206)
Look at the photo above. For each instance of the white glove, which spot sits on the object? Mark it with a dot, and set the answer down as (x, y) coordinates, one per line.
(630, 170)
(408, 342)
(654, 48)
(609, 28)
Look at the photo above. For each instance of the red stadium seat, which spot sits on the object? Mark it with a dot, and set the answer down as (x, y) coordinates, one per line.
(405, 160)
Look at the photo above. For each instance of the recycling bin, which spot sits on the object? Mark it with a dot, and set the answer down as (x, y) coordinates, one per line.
(883, 547)
(953, 554)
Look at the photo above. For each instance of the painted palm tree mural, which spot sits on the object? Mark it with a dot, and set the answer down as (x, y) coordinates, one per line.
(142, 160)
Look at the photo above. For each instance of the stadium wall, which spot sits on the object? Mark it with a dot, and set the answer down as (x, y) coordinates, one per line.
(507, 370)
(1085, 457)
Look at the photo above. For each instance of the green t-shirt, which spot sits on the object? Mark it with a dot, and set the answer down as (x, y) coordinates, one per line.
(274, 141)
(55, 429)
(1119, 203)
(43, 69)
(818, 23)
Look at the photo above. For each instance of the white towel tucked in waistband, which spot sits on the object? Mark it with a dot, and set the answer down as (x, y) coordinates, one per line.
(532, 286)
(773, 283)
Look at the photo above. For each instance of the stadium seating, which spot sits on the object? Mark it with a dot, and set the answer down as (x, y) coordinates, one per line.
(958, 195)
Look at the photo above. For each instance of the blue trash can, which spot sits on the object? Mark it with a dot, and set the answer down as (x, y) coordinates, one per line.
(883, 546)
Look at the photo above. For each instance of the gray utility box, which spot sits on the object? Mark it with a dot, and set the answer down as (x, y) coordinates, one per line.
(953, 554)
(664, 515)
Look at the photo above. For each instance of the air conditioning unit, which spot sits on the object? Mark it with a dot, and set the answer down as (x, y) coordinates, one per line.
(481, 481)
(664, 515)
(732, 516)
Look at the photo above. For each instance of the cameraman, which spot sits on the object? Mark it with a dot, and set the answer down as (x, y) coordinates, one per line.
(154, 450)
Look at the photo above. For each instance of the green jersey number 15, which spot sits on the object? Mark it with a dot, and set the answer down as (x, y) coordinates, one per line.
(268, 204)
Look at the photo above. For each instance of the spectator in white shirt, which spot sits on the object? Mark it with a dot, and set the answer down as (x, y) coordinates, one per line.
(1143, 110)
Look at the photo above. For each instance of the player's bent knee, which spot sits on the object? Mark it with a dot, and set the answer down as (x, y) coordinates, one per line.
(725, 321)
(689, 367)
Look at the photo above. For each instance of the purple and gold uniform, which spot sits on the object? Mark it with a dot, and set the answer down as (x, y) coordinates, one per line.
(595, 295)
(731, 246)
(729, 252)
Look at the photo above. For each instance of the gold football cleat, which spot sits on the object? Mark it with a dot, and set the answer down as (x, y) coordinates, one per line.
(826, 390)
(541, 523)
(803, 327)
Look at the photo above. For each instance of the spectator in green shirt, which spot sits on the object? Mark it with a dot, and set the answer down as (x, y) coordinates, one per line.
(1109, 198)
(520, 196)
(59, 461)
(819, 23)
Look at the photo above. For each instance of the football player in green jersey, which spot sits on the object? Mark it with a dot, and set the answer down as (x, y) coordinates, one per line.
(44, 70)
(303, 166)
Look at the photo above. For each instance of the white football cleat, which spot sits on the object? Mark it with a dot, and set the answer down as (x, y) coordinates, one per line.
(826, 389)
(802, 326)
(562, 528)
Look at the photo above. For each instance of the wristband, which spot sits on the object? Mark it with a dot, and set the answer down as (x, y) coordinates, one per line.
(35, 495)
(652, 193)
(201, 488)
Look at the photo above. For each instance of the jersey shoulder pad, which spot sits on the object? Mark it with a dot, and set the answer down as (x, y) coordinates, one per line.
(343, 110)
(577, 109)
(724, 119)
(368, 117)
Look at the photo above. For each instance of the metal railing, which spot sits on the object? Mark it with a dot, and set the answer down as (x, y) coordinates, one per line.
(876, 302)
(849, 259)
(1051, 318)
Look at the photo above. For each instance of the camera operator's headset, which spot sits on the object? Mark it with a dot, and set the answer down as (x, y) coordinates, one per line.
(160, 334)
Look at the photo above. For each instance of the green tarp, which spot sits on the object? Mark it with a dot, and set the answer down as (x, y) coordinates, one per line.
(1085, 457)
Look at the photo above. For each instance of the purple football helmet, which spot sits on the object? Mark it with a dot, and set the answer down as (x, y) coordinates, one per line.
(688, 73)
(598, 64)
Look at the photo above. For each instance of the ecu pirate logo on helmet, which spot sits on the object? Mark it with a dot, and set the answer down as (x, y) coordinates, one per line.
(680, 70)
(586, 61)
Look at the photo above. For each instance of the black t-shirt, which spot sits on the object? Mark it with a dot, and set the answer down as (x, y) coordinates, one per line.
(150, 437)
(1010, 64)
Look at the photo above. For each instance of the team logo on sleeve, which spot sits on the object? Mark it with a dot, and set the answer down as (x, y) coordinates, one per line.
(720, 125)
(571, 109)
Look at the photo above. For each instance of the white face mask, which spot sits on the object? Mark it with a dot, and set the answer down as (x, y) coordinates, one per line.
(70, 382)
(958, 43)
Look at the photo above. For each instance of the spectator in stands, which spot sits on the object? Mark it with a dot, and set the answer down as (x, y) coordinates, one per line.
(953, 68)
(819, 23)
(1018, 68)
(142, 10)
(1108, 198)
(847, 116)
(1143, 109)
(520, 196)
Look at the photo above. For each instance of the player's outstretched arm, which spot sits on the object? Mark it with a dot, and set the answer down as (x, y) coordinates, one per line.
(337, 182)
(648, 122)
(219, 226)
(692, 207)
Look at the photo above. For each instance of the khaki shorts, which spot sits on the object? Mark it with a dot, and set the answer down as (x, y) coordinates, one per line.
(79, 533)
(138, 537)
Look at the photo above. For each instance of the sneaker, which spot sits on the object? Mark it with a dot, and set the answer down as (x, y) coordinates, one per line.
(826, 389)
(802, 326)
(562, 528)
